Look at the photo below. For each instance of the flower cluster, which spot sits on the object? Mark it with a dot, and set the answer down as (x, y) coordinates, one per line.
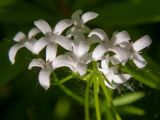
(77, 38)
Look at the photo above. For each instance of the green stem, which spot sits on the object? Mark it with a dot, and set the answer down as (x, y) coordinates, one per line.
(96, 100)
(59, 82)
(87, 99)
(66, 79)
(105, 92)
(114, 115)
(68, 91)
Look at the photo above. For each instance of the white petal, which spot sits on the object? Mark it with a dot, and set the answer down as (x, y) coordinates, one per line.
(62, 25)
(44, 78)
(51, 51)
(120, 78)
(98, 52)
(30, 44)
(63, 61)
(109, 85)
(43, 26)
(78, 35)
(125, 44)
(121, 37)
(87, 58)
(115, 59)
(33, 32)
(122, 53)
(36, 63)
(88, 16)
(94, 39)
(142, 43)
(114, 69)
(81, 68)
(40, 44)
(104, 64)
(13, 51)
(98, 32)
(83, 48)
(19, 37)
(64, 42)
(75, 45)
(76, 16)
(139, 61)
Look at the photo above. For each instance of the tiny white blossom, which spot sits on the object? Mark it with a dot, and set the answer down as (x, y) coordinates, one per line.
(46, 69)
(137, 46)
(52, 37)
(135, 49)
(76, 60)
(114, 78)
(23, 41)
(79, 21)
(44, 74)
(110, 45)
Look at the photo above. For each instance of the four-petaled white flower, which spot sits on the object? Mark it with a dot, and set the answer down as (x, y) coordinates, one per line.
(76, 60)
(135, 50)
(113, 45)
(23, 41)
(52, 38)
(137, 46)
(111, 73)
(79, 21)
(44, 74)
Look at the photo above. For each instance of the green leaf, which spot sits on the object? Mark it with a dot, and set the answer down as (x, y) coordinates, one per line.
(130, 110)
(146, 76)
(24, 13)
(132, 12)
(128, 98)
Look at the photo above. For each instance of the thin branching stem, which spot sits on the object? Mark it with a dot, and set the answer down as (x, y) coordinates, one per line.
(59, 82)
(98, 115)
(66, 79)
(68, 91)
(87, 98)
(114, 115)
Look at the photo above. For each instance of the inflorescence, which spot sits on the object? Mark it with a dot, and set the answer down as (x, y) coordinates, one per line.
(76, 38)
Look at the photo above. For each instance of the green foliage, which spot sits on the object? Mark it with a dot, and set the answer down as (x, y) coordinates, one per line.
(130, 110)
(147, 77)
(132, 12)
(128, 98)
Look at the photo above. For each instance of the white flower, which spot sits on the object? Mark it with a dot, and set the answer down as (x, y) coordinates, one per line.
(76, 60)
(79, 49)
(79, 21)
(52, 37)
(44, 74)
(137, 46)
(135, 49)
(113, 45)
(114, 78)
(23, 41)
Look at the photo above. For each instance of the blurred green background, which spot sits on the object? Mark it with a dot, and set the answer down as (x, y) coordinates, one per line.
(22, 98)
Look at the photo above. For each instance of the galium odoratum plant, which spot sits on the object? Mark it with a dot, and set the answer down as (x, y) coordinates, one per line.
(96, 65)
